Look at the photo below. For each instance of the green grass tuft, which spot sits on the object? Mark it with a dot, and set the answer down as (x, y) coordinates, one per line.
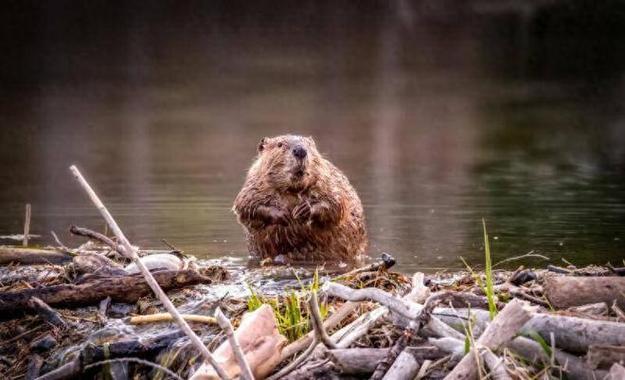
(488, 271)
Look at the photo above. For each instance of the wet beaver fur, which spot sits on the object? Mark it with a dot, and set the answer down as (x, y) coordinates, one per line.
(296, 206)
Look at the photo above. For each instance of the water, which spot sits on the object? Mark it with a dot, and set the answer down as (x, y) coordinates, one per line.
(440, 115)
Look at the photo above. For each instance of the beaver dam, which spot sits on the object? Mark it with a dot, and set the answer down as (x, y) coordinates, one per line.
(110, 310)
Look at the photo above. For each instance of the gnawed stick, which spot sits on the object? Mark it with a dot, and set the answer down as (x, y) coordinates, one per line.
(500, 331)
(226, 326)
(166, 317)
(132, 254)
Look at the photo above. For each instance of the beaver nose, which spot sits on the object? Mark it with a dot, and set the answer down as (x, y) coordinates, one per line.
(299, 152)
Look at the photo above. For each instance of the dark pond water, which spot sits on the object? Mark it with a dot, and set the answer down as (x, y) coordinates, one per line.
(440, 113)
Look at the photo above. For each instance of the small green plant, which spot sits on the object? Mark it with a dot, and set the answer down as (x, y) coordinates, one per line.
(488, 271)
(292, 321)
(254, 302)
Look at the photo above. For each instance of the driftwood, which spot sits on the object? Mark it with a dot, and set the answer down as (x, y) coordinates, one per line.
(132, 254)
(572, 334)
(126, 289)
(359, 361)
(260, 341)
(404, 367)
(500, 331)
(32, 256)
(166, 317)
(567, 291)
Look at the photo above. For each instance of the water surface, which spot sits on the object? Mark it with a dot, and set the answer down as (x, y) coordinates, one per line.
(440, 116)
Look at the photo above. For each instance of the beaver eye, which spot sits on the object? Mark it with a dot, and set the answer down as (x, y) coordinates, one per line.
(280, 145)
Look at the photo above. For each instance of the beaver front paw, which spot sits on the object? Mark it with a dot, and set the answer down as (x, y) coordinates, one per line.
(302, 212)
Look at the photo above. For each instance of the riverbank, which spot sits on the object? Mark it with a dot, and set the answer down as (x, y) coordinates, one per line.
(70, 319)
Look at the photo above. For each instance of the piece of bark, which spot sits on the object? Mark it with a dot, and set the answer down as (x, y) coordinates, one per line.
(603, 356)
(568, 291)
(617, 372)
(32, 256)
(126, 289)
(47, 313)
(260, 341)
(503, 328)
(404, 367)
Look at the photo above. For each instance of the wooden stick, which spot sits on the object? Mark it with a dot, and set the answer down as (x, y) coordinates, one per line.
(317, 322)
(226, 326)
(26, 225)
(346, 309)
(500, 331)
(132, 254)
(166, 317)
(32, 256)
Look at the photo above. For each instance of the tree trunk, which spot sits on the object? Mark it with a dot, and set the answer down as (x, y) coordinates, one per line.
(32, 256)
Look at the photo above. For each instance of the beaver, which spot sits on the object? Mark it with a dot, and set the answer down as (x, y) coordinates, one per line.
(296, 206)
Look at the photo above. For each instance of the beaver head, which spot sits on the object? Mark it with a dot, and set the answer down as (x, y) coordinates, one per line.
(288, 162)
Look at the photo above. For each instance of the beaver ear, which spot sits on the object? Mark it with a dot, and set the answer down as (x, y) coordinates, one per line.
(261, 144)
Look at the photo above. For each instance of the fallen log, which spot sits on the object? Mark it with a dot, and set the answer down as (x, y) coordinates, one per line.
(572, 334)
(499, 332)
(359, 361)
(32, 256)
(127, 289)
(567, 291)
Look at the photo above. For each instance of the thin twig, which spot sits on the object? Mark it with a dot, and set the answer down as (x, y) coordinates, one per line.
(317, 322)
(26, 225)
(131, 253)
(525, 256)
(226, 326)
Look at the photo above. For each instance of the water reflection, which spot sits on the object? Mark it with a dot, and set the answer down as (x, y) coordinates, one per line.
(440, 114)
